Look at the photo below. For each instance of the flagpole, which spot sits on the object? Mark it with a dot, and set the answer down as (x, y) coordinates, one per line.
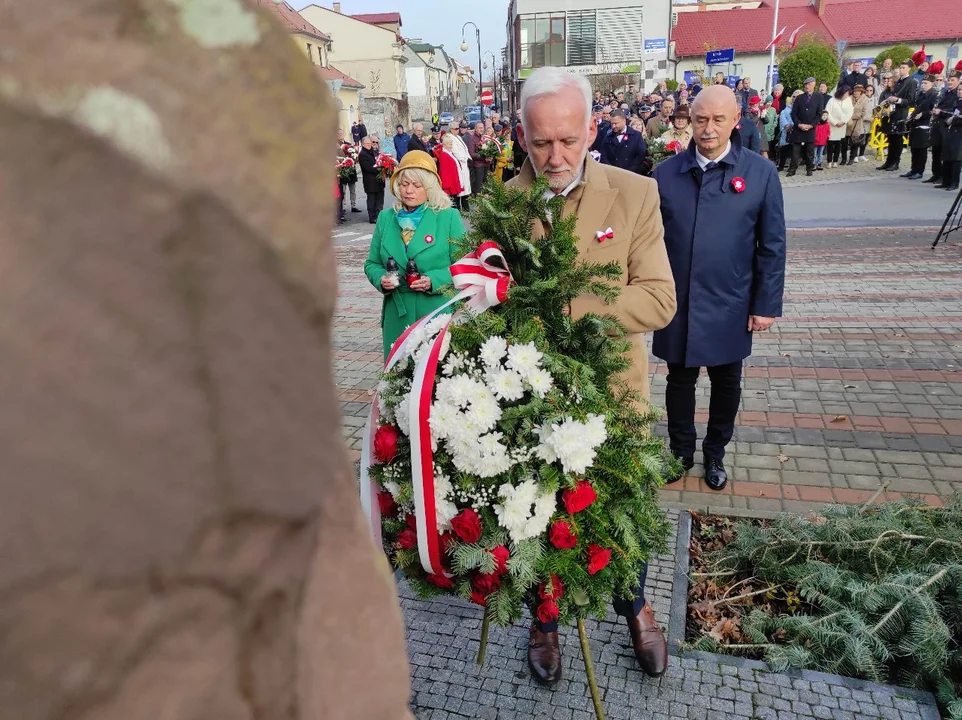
(771, 61)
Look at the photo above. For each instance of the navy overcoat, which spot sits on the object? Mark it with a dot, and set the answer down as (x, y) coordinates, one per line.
(727, 254)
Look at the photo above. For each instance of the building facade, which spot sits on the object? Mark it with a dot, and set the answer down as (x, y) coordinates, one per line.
(621, 42)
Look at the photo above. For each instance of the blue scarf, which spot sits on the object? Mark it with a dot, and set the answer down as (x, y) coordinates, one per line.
(408, 220)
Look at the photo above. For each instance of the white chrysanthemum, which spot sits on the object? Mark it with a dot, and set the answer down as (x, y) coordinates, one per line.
(393, 488)
(493, 351)
(540, 382)
(595, 431)
(572, 443)
(433, 326)
(524, 511)
(506, 385)
(443, 417)
(453, 364)
(445, 346)
(402, 414)
(524, 359)
(484, 414)
(445, 509)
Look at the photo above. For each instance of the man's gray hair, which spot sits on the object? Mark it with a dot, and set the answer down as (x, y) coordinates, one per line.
(549, 81)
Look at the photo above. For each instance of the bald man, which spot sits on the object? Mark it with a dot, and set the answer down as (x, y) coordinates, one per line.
(725, 232)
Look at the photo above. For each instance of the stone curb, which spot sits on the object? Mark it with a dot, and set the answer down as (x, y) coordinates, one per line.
(679, 611)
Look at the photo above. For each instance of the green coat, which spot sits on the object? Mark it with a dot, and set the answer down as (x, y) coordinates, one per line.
(402, 307)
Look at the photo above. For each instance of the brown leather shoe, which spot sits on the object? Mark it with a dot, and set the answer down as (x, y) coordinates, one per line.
(544, 656)
(649, 643)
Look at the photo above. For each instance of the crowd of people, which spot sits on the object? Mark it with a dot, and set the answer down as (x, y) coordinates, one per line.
(917, 104)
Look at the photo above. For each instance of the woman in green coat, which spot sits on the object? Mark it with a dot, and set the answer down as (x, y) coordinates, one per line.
(419, 227)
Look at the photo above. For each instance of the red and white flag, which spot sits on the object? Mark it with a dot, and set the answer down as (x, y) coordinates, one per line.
(777, 38)
(793, 38)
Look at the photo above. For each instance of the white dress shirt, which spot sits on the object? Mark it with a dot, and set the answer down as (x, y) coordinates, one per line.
(703, 161)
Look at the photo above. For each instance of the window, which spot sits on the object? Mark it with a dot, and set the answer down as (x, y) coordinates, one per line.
(542, 40)
(581, 37)
(310, 54)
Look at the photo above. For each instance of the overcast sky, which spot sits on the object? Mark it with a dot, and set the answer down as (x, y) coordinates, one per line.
(438, 23)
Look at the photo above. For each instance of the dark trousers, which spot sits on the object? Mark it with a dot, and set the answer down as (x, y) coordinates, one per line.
(375, 204)
(478, 177)
(838, 150)
(626, 607)
(726, 394)
(461, 203)
(784, 155)
(919, 157)
(797, 149)
(937, 162)
(894, 154)
(950, 173)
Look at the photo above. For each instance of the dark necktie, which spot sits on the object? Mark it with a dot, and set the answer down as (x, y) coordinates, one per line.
(711, 166)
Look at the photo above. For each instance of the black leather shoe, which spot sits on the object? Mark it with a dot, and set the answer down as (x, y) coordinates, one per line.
(791, 173)
(893, 168)
(951, 187)
(935, 180)
(882, 167)
(809, 173)
(687, 463)
(715, 476)
(544, 656)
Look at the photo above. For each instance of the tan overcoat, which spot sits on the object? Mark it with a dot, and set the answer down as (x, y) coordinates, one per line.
(627, 203)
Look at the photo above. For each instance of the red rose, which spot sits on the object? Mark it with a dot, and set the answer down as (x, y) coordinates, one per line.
(581, 497)
(557, 589)
(411, 521)
(440, 581)
(674, 146)
(479, 598)
(467, 525)
(501, 556)
(561, 536)
(386, 502)
(446, 540)
(486, 583)
(548, 611)
(407, 538)
(598, 558)
(385, 443)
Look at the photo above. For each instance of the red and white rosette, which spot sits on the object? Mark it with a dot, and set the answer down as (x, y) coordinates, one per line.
(482, 279)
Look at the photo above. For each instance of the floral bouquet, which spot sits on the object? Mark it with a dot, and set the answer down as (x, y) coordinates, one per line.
(490, 148)
(660, 149)
(347, 169)
(386, 164)
(504, 461)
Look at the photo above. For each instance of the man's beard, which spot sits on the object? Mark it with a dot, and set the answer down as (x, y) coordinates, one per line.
(559, 182)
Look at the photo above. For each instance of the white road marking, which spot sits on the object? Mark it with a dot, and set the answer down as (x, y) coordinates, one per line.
(363, 237)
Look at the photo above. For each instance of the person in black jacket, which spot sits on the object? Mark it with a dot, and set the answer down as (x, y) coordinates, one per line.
(806, 110)
(417, 139)
(920, 127)
(358, 131)
(902, 97)
(747, 128)
(623, 147)
(371, 176)
(855, 76)
(940, 115)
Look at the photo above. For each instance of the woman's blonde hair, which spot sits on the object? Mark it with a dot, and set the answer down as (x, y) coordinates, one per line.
(437, 199)
(447, 140)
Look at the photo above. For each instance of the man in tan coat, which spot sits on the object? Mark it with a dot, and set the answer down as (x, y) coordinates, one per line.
(619, 220)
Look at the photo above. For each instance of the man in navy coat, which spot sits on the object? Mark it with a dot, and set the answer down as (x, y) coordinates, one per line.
(725, 232)
(623, 147)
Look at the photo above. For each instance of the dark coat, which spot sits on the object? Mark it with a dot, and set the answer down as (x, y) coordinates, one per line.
(807, 109)
(853, 79)
(905, 91)
(946, 105)
(473, 141)
(952, 144)
(727, 254)
(370, 175)
(920, 133)
(629, 155)
(417, 143)
(747, 129)
(603, 128)
(358, 132)
(401, 143)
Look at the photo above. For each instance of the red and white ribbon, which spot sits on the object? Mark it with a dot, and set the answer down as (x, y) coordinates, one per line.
(603, 235)
(486, 138)
(482, 279)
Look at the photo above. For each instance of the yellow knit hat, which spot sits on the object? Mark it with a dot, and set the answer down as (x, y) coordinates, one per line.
(415, 159)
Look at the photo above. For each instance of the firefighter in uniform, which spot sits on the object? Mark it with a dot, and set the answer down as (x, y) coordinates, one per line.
(920, 127)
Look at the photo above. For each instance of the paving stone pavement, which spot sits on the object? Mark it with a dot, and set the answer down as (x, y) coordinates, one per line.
(448, 684)
(860, 383)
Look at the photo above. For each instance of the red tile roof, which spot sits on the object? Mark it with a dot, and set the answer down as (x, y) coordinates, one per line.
(870, 22)
(332, 73)
(748, 31)
(291, 20)
(379, 18)
(860, 22)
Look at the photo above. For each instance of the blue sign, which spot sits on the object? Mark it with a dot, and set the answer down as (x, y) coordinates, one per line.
(773, 69)
(720, 57)
(691, 78)
(733, 80)
(656, 45)
(952, 53)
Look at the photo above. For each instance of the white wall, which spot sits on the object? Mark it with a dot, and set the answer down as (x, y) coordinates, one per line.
(415, 80)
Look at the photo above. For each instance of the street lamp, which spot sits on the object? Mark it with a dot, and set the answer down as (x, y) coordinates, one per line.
(464, 48)
(494, 77)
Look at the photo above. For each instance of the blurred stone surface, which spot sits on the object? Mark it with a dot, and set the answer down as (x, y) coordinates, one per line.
(180, 536)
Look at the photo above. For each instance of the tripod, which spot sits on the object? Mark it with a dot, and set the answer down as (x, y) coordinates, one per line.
(953, 220)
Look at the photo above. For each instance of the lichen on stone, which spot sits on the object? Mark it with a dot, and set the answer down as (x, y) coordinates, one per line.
(219, 23)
